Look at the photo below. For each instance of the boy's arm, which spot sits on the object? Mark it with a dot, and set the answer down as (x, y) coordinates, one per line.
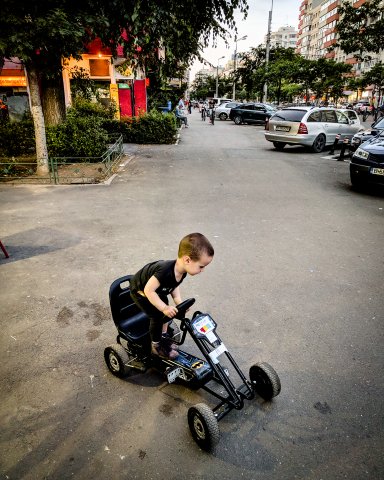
(150, 292)
(176, 295)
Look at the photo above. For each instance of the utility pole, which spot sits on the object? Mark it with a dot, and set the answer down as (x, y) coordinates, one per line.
(267, 49)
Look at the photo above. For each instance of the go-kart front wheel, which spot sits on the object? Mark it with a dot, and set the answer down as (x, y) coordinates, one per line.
(116, 359)
(204, 426)
(265, 380)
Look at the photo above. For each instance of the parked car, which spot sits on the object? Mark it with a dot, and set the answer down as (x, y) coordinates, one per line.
(363, 106)
(312, 127)
(251, 113)
(221, 101)
(224, 109)
(367, 164)
(368, 134)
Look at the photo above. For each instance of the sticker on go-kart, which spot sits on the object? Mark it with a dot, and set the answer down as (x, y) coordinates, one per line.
(215, 354)
(204, 325)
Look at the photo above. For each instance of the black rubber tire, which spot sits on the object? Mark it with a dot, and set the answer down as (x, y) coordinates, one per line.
(116, 358)
(319, 143)
(265, 381)
(238, 120)
(279, 145)
(204, 426)
(223, 116)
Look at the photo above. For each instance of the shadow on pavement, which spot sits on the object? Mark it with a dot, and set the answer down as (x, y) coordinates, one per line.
(36, 241)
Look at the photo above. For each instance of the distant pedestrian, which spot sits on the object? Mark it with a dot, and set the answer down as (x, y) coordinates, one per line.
(364, 112)
(180, 115)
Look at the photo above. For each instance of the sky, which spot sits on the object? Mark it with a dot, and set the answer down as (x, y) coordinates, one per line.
(285, 12)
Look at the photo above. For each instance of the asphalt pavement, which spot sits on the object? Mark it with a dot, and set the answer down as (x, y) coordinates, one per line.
(297, 281)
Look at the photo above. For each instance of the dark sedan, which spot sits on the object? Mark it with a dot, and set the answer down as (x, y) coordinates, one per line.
(368, 134)
(367, 164)
(251, 113)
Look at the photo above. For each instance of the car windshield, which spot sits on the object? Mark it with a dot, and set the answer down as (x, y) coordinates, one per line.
(380, 123)
(289, 115)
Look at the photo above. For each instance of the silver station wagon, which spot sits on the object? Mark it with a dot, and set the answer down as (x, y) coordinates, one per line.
(312, 127)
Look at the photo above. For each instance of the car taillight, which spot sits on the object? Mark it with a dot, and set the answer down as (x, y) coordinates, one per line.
(302, 128)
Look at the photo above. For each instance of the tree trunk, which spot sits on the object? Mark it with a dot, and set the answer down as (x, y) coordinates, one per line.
(279, 91)
(38, 121)
(53, 102)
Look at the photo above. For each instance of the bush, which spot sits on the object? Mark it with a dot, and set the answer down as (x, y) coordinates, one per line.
(17, 138)
(85, 108)
(152, 127)
(77, 137)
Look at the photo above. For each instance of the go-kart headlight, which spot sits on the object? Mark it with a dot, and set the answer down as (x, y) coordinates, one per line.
(360, 153)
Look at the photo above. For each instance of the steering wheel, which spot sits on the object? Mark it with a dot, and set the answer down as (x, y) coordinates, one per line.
(183, 307)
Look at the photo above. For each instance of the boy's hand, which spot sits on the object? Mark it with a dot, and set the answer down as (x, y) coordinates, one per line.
(170, 311)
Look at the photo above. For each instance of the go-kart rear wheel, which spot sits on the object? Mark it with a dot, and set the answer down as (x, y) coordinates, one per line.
(204, 426)
(116, 359)
(265, 380)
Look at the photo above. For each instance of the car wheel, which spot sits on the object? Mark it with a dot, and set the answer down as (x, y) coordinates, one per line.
(279, 145)
(223, 116)
(319, 144)
(238, 120)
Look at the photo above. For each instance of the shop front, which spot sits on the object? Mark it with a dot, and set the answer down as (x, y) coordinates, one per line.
(13, 89)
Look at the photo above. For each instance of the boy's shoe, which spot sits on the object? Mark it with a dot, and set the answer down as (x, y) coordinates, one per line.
(162, 350)
(167, 340)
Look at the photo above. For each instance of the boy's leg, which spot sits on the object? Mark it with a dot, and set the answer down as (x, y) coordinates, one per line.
(156, 322)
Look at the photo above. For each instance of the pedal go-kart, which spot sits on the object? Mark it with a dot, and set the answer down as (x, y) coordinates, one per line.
(133, 352)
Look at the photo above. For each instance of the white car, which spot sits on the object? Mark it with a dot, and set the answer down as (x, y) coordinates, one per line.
(223, 110)
(312, 127)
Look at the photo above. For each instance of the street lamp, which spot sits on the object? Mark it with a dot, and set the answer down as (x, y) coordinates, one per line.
(217, 77)
(234, 65)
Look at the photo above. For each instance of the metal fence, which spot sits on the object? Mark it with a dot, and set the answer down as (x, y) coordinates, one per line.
(66, 170)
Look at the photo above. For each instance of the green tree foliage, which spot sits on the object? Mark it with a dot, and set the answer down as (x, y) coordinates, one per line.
(203, 86)
(281, 69)
(375, 76)
(329, 78)
(250, 75)
(361, 29)
(289, 74)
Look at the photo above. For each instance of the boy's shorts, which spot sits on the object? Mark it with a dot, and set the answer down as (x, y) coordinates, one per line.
(146, 306)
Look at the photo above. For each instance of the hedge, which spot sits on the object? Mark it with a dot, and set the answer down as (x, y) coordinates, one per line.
(85, 132)
(152, 127)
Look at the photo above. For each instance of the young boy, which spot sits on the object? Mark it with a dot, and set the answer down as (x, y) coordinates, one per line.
(151, 286)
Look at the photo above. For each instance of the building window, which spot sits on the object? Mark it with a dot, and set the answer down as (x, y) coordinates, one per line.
(99, 68)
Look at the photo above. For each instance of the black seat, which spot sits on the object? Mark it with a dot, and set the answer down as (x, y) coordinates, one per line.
(128, 317)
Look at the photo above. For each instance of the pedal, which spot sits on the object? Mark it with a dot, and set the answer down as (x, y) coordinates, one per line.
(173, 373)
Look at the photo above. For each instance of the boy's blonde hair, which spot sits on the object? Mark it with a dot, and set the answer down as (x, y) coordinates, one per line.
(195, 245)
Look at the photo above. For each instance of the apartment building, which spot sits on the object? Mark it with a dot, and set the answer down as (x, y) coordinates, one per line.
(285, 37)
(317, 32)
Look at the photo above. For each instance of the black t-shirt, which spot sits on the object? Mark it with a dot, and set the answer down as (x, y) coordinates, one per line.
(163, 270)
